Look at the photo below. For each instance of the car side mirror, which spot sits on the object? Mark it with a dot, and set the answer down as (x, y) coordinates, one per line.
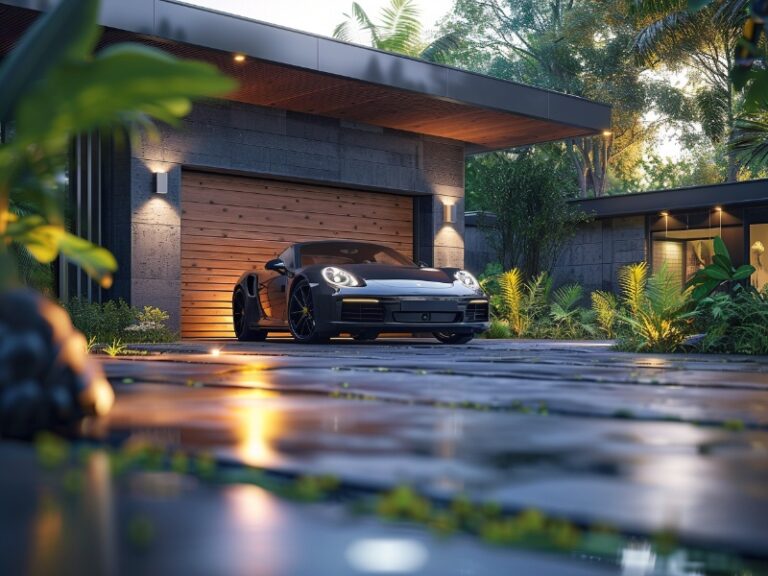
(276, 265)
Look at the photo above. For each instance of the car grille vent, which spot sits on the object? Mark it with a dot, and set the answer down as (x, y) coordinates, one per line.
(476, 313)
(362, 312)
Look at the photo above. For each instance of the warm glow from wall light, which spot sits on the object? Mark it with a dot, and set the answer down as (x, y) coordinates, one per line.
(607, 133)
(239, 57)
(215, 352)
(718, 208)
(665, 213)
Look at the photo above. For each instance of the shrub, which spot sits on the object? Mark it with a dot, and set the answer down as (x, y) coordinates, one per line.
(734, 323)
(569, 320)
(499, 329)
(656, 314)
(532, 310)
(116, 320)
(605, 307)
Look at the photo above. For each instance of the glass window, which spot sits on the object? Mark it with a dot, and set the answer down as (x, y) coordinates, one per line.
(758, 241)
(340, 253)
(684, 252)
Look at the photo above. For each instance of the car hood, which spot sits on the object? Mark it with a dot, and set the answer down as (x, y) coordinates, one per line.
(383, 273)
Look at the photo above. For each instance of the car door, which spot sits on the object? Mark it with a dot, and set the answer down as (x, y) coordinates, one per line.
(276, 288)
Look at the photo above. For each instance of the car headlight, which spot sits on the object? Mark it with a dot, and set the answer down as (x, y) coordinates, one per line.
(338, 277)
(467, 279)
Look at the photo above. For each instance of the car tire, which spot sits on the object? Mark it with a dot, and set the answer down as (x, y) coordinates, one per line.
(301, 315)
(366, 336)
(453, 337)
(244, 332)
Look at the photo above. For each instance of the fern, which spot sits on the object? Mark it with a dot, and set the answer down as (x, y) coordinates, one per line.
(632, 280)
(511, 288)
(656, 317)
(605, 306)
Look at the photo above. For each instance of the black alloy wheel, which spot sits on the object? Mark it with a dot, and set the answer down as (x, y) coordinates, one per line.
(301, 315)
(240, 321)
(453, 337)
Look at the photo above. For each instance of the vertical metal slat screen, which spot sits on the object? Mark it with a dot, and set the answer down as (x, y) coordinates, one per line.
(83, 214)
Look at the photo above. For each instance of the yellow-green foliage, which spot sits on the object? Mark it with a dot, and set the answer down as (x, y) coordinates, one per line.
(605, 305)
(632, 280)
(511, 287)
(656, 310)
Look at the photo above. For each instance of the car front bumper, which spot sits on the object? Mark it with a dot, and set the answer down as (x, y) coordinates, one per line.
(424, 313)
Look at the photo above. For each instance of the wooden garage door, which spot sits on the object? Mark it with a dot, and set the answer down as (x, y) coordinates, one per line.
(231, 224)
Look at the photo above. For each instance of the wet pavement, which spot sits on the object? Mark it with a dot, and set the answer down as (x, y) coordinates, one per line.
(645, 444)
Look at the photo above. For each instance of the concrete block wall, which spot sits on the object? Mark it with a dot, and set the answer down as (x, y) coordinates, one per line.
(599, 250)
(222, 135)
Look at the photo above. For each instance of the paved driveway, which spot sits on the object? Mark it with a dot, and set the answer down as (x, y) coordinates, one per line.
(648, 444)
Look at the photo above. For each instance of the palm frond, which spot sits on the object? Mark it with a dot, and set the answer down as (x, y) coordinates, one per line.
(568, 297)
(632, 280)
(605, 307)
(538, 290)
(365, 22)
(713, 112)
(343, 30)
(750, 142)
(511, 288)
(437, 50)
(657, 32)
(402, 27)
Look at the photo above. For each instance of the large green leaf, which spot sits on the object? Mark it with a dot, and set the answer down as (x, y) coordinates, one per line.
(68, 31)
(81, 96)
(720, 248)
(722, 262)
(46, 241)
(743, 272)
(716, 273)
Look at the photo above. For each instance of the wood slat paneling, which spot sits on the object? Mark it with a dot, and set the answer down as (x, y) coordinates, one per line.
(231, 224)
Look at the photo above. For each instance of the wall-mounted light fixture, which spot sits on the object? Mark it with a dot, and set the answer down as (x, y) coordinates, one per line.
(718, 208)
(449, 213)
(239, 57)
(161, 182)
(607, 133)
(664, 214)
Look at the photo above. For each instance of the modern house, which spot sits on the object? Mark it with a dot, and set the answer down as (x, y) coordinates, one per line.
(323, 139)
(672, 227)
(668, 227)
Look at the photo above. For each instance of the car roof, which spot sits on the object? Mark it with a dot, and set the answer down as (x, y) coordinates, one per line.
(341, 241)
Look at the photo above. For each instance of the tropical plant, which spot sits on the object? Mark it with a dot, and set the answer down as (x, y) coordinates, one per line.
(398, 29)
(734, 323)
(568, 318)
(720, 273)
(578, 47)
(511, 289)
(605, 306)
(656, 316)
(55, 87)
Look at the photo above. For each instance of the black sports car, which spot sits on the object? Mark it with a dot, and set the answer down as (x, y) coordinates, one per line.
(317, 290)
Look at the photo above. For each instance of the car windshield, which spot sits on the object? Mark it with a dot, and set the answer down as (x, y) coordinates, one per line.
(339, 253)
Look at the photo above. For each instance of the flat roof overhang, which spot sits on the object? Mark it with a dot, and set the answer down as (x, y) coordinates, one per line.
(301, 72)
(678, 199)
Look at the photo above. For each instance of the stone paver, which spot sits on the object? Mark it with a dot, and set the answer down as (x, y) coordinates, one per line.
(645, 443)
